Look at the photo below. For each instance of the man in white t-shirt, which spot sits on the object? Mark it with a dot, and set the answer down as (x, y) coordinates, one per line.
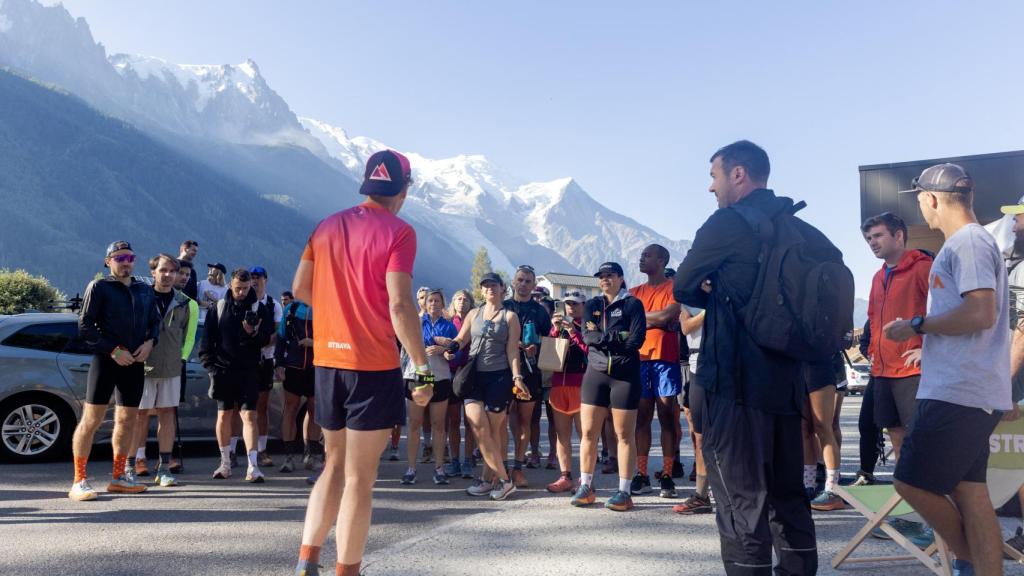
(692, 323)
(266, 369)
(965, 378)
(212, 289)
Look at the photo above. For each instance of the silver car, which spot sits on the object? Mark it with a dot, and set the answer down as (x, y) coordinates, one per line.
(857, 377)
(43, 371)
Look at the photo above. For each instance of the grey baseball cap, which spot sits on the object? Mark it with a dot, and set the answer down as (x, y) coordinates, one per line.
(942, 178)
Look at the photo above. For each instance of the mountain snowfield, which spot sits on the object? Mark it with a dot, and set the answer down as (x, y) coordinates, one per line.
(457, 204)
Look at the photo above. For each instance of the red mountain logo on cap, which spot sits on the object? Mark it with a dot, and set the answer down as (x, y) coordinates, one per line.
(381, 173)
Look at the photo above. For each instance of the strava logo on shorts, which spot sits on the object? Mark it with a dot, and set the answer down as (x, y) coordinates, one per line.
(381, 173)
(339, 345)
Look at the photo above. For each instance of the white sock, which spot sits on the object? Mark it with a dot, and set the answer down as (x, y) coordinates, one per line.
(410, 470)
(140, 454)
(587, 479)
(225, 455)
(262, 443)
(252, 458)
(234, 444)
(831, 477)
(810, 471)
(624, 485)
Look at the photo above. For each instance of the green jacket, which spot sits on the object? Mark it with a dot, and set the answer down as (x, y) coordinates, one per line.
(177, 338)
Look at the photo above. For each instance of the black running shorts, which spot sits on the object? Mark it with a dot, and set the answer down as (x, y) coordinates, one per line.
(600, 389)
(442, 390)
(235, 389)
(359, 400)
(266, 374)
(300, 382)
(106, 378)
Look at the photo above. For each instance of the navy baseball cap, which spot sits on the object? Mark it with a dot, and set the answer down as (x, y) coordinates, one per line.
(119, 245)
(387, 172)
(258, 271)
(218, 266)
(491, 277)
(943, 178)
(609, 268)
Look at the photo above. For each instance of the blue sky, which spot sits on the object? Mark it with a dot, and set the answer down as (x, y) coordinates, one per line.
(630, 99)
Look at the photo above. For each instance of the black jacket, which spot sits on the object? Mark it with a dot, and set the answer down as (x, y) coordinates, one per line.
(528, 312)
(117, 315)
(226, 345)
(725, 251)
(603, 324)
(287, 351)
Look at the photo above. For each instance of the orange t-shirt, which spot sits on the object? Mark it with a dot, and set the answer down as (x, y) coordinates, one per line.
(660, 344)
(352, 251)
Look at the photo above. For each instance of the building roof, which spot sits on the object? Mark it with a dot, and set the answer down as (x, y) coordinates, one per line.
(571, 279)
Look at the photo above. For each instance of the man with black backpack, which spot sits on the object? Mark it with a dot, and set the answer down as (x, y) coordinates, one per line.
(293, 355)
(761, 322)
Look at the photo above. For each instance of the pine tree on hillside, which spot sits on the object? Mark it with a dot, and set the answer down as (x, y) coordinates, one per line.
(481, 266)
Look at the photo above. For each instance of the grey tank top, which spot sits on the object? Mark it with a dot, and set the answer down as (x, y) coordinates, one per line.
(490, 340)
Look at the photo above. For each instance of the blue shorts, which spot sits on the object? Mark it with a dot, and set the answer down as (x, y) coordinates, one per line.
(359, 400)
(660, 379)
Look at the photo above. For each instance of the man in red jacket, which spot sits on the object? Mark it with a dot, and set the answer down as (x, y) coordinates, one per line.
(898, 291)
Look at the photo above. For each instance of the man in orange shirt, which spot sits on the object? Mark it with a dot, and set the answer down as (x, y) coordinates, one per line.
(356, 272)
(660, 375)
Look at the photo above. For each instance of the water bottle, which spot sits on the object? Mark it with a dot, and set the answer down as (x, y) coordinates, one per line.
(530, 334)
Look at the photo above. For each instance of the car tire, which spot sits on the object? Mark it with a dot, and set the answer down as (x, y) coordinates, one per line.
(50, 426)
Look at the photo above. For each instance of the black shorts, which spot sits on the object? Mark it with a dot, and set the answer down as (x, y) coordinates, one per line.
(697, 407)
(300, 382)
(600, 389)
(948, 444)
(107, 378)
(534, 382)
(235, 389)
(266, 374)
(359, 400)
(895, 401)
(442, 390)
(818, 375)
(494, 389)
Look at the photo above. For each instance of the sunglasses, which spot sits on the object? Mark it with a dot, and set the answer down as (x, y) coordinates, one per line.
(123, 258)
(526, 267)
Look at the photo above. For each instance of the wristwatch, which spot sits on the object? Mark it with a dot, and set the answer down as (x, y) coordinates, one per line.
(916, 322)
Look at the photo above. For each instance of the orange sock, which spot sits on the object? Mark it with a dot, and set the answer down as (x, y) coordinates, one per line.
(310, 554)
(641, 464)
(80, 466)
(348, 569)
(666, 466)
(120, 461)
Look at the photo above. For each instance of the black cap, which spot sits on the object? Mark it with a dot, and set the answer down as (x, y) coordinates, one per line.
(609, 268)
(943, 178)
(219, 266)
(491, 277)
(387, 172)
(119, 245)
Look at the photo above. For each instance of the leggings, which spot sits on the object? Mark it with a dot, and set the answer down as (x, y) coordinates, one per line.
(872, 443)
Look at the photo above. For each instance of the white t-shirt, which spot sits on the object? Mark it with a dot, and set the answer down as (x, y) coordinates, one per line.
(268, 350)
(207, 286)
(972, 369)
(693, 339)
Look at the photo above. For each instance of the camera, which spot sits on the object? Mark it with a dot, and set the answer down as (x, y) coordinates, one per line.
(251, 318)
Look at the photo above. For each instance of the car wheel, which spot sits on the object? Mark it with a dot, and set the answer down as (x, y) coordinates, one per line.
(34, 428)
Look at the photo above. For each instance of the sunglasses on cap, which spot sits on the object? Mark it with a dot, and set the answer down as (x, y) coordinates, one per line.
(123, 258)
(526, 267)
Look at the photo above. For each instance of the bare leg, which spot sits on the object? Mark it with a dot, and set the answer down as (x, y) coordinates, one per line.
(165, 429)
(124, 429)
(644, 417)
(667, 411)
(470, 435)
(535, 426)
(142, 428)
(523, 415)
(263, 413)
(288, 415)
(552, 433)
(822, 412)
(625, 433)
(454, 429)
(361, 461)
(311, 429)
(225, 420)
(437, 420)
(837, 431)
(563, 432)
(250, 429)
(412, 442)
(92, 419)
(488, 428)
(896, 434)
(592, 419)
(940, 513)
(325, 499)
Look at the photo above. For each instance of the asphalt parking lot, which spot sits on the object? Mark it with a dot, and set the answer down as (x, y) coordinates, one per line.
(216, 527)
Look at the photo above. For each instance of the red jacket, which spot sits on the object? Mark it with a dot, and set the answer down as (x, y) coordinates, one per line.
(905, 296)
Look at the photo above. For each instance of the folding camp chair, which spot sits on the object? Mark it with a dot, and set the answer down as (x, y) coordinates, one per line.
(1005, 476)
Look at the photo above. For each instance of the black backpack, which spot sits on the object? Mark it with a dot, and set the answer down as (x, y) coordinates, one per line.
(802, 303)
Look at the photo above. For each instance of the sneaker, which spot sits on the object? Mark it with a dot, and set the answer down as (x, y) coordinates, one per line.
(479, 488)
(452, 469)
(125, 485)
(611, 466)
(428, 455)
(563, 484)
(695, 504)
(82, 491)
(924, 538)
(864, 479)
(141, 468)
(620, 501)
(264, 459)
(254, 476)
(393, 457)
(409, 478)
(234, 460)
(223, 472)
(640, 484)
(164, 479)
(907, 528)
(962, 568)
(306, 569)
(503, 490)
(679, 471)
(289, 464)
(519, 478)
(1016, 542)
(533, 461)
(440, 478)
(826, 502)
(552, 461)
(467, 470)
(584, 496)
(668, 487)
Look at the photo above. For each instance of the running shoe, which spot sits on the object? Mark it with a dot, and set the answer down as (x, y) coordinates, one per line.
(519, 478)
(533, 461)
(552, 461)
(223, 472)
(141, 468)
(910, 530)
(479, 488)
(610, 466)
(409, 477)
(304, 568)
(440, 478)
(668, 487)
(827, 501)
(130, 475)
(864, 479)
(962, 568)
(264, 459)
(467, 470)
(640, 484)
(503, 490)
(678, 470)
(289, 464)
(452, 468)
(393, 457)
(82, 491)
(1016, 542)
(164, 478)
(124, 485)
(695, 504)
(254, 476)
(619, 502)
(563, 484)
(584, 496)
(428, 454)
